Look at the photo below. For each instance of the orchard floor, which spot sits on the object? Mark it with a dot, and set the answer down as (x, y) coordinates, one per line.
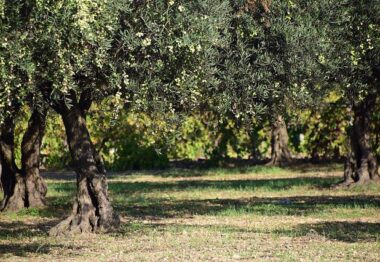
(248, 214)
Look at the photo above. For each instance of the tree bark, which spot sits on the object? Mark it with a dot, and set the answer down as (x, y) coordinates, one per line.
(12, 182)
(280, 143)
(361, 164)
(30, 158)
(1, 170)
(23, 188)
(92, 209)
(349, 170)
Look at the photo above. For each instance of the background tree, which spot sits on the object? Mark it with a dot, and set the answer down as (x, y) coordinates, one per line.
(354, 36)
(276, 49)
(169, 55)
(325, 130)
(22, 187)
(270, 62)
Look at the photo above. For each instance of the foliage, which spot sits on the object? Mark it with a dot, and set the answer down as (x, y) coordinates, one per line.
(167, 52)
(326, 136)
(54, 151)
(72, 43)
(130, 143)
(270, 61)
(230, 140)
(138, 141)
(192, 79)
(191, 141)
(16, 68)
(320, 132)
(354, 39)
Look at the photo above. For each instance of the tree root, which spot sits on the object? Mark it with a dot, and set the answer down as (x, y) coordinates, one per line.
(76, 224)
(84, 221)
(349, 184)
(17, 200)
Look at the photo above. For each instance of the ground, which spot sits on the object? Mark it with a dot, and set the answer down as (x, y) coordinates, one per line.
(249, 214)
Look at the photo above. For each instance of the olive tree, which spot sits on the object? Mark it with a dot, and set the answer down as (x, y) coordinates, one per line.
(353, 64)
(22, 187)
(270, 64)
(168, 50)
(151, 55)
(71, 49)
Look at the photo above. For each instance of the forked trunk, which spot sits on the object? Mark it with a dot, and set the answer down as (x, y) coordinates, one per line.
(280, 143)
(12, 182)
(92, 209)
(23, 188)
(30, 158)
(361, 164)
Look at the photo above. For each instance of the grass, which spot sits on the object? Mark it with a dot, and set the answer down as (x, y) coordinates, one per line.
(231, 214)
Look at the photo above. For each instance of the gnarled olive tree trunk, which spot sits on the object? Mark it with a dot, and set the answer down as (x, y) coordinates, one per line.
(12, 181)
(22, 188)
(92, 209)
(280, 143)
(361, 164)
(30, 158)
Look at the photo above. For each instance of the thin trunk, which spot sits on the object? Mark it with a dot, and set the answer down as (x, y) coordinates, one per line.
(221, 143)
(255, 143)
(22, 188)
(92, 209)
(349, 169)
(30, 148)
(280, 143)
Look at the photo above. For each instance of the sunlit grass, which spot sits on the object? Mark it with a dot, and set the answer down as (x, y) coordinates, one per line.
(254, 213)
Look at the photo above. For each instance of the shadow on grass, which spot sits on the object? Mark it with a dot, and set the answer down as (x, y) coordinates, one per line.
(292, 206)
(18, 230)
(24, 250)
(158, 209)
(241, 165)
(245, 185)
(171, 172)
(20, 233)
(248, 185)
(129, 200)
(199, 172)
(201, 168)
(349, 232)
(308, 167)
(21, 230)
